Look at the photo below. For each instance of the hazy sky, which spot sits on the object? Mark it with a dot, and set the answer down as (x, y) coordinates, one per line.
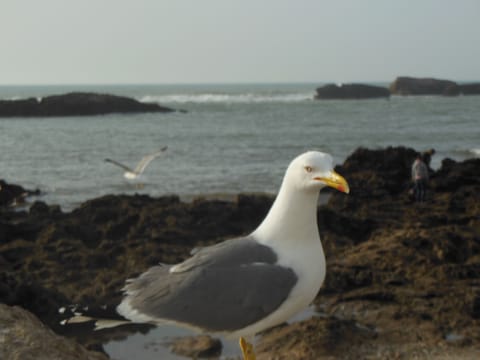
(217, 41)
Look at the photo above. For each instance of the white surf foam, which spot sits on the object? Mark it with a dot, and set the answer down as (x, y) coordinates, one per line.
(475, 152)
(243, 98)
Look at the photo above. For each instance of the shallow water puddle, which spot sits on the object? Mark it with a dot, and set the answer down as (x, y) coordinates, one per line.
(154, 345)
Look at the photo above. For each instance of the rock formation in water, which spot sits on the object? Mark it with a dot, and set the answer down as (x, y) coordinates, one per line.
(404, 85)
(351, 91)
(76, 104)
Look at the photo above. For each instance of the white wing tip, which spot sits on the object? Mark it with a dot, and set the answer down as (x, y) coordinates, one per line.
(128, 312)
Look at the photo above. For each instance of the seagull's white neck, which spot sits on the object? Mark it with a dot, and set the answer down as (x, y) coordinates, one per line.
(292, 218)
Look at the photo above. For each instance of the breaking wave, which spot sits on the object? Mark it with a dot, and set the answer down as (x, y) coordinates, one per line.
(245, 98)
(466, 153)
(475, 152)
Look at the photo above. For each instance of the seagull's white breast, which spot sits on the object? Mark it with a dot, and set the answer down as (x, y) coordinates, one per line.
(130, 175)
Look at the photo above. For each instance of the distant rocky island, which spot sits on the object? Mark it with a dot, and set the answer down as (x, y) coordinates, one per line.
(351, 91)
(402, 85)
(428, 86)
(77, 104)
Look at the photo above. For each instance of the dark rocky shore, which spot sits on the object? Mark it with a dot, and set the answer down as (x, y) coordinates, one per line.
(76, 104)
(403, 279)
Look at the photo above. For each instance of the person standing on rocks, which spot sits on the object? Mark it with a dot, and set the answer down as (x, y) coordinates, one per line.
(419, 178)
(427, 158)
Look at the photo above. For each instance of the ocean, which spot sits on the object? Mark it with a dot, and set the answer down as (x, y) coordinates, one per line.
(233, 138)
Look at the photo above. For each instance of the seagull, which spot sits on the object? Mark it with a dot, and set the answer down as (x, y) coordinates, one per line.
(133, 174)
(245, 285)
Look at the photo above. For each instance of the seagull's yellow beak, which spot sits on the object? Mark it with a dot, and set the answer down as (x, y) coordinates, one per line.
(335, 181)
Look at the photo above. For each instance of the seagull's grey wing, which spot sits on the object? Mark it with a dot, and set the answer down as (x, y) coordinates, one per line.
(141, 166)
(125, 167)
(240, 251)
(232, 285)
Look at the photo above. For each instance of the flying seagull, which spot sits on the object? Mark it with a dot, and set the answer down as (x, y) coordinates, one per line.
(244, 285)
(132, 174)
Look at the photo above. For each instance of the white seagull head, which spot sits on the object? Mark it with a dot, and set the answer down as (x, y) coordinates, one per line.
(313, 170)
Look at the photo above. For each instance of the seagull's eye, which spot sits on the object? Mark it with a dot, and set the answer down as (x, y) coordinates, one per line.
(308, 169)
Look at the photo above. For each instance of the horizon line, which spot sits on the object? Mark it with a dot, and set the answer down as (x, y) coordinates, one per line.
(222, 83)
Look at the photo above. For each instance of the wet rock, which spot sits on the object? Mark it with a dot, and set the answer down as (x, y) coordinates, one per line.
(32, 296)
(375, 177)
(24, 337)
(387, 168)
(12, 194)
(39, 208)
(315, 338)
(197, 347)
(417, 262)
(475, 306)
(453, 176)
(351, 91)
(76, 104)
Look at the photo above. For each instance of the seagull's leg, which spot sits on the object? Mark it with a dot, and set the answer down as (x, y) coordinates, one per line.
(247, 349)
